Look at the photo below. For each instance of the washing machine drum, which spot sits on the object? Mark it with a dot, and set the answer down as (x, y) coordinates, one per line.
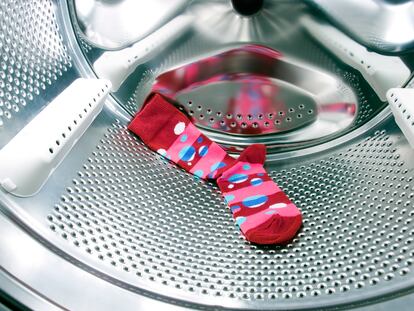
(91, 218)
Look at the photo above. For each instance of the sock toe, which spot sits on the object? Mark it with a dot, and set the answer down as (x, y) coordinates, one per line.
(276, 230)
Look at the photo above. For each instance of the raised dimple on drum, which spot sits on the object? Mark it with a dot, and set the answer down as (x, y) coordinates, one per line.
(357, 231)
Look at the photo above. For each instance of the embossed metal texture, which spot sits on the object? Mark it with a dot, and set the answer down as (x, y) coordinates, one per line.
(118, 226)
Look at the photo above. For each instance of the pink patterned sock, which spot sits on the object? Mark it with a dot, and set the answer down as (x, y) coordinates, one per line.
(263, 212)
(167, 130)
(261, 209)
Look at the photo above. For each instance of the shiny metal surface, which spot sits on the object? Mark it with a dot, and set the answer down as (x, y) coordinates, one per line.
(174, 238)
(21, 295)
(254, 90)
(118, 227)
(62, 285)
(383, 26)
(307, 66)
(31, 62)
(218, 21)
(142, 234)
(130, 21)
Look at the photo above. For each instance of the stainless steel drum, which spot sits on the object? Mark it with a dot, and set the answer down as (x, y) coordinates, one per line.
(116, 227)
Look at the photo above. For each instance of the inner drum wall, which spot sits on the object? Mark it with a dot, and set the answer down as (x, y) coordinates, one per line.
(357, 234)
(144, 219)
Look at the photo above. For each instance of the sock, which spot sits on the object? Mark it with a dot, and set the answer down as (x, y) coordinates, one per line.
(263, 212)
(165, 129)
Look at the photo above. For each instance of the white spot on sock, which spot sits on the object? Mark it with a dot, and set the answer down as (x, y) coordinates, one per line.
(278, 205)
(162, 152)
(189, 163)
(179, 128)
(231, 186)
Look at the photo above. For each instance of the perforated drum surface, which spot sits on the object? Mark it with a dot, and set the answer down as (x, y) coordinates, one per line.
(122, 213)
(32, 58)
(130, 208)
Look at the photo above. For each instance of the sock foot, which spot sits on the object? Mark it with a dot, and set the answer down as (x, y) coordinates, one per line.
(263, 212)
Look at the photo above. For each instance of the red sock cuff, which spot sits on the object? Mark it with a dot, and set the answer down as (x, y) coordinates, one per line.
(154, 117)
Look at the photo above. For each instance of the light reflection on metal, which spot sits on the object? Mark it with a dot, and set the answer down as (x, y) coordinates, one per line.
(218, 21)
(116, 24)
(380, 71)
(306, 63)
(384, 26)
(256, 90)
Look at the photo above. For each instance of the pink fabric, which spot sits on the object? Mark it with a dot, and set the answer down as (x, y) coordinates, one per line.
(215, 154)
(266, 188)
(191, 133)
(261, 209)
